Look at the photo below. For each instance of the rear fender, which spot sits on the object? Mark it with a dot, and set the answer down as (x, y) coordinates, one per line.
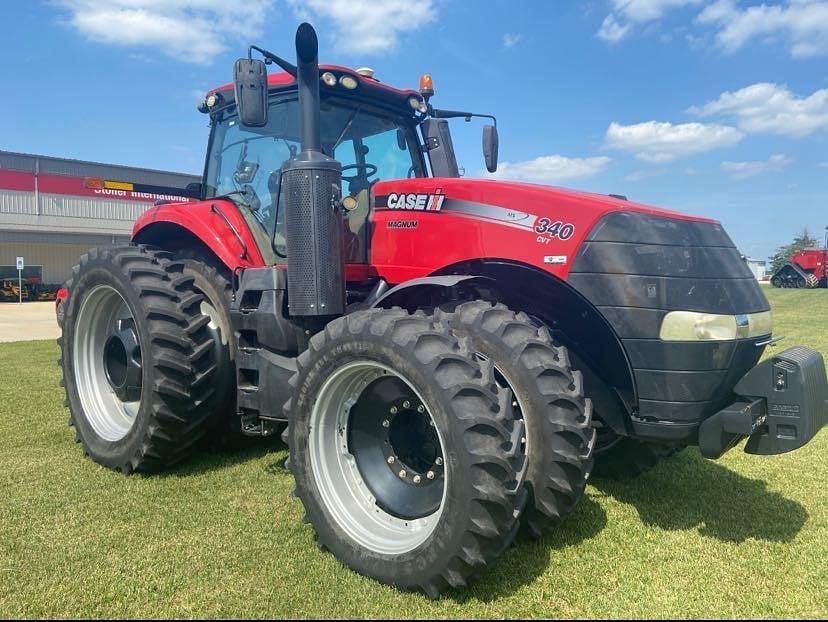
(217, 225)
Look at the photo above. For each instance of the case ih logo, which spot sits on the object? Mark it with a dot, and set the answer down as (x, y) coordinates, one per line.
(416, 202)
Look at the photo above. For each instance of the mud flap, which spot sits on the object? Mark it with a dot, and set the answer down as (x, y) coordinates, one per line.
(783, 403)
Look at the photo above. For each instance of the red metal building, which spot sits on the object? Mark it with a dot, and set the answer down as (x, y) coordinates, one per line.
(54, 209)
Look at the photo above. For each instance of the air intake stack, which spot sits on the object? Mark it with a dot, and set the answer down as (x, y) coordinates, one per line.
(312, 182)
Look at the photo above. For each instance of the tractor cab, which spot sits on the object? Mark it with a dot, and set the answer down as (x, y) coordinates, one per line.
(377, 133)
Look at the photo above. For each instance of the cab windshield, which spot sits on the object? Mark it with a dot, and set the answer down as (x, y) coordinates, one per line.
(245, 164)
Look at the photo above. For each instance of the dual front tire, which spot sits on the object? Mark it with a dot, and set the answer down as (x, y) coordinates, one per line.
(548, 396)
(420, 518)
(506, 440)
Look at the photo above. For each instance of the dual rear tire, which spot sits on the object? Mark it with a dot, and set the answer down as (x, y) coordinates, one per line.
(137, 357)
(148, 357)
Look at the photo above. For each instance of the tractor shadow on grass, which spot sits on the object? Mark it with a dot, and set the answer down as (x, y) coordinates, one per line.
(208, 458)
(684, 493)
(689, 491)
(529, 558)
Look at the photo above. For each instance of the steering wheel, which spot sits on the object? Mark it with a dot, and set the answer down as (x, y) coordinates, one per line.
(369, 169)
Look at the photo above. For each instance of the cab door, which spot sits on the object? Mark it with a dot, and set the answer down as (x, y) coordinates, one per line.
(385, 156)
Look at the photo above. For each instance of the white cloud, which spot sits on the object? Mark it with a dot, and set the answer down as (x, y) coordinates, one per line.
(771, 109)
(192, 31)
(368, 26)
(551, 169)
(511, 40)
(643, 174)
(641, 11)
(654, 141)
(803, 24)
(744, 170)
(611, 31)
(625, 13)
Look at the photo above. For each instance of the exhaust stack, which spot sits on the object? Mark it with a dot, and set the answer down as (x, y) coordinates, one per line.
(312, 182)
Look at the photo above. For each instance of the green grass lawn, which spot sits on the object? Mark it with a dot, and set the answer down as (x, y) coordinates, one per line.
(221, 536)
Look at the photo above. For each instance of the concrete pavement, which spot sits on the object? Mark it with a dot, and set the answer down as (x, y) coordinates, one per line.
(27, 321)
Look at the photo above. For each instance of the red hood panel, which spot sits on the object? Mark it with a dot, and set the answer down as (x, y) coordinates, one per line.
(542, 200)
(427, 224)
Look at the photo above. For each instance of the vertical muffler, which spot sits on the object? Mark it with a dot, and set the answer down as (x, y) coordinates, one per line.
(312, 182)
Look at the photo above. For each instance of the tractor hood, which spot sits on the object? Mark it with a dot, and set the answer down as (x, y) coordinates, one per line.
(525, 201)
(634, 263)
(539, 225)
(459, 220)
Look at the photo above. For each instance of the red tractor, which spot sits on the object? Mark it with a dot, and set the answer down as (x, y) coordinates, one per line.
(449, 358)
(806, 269)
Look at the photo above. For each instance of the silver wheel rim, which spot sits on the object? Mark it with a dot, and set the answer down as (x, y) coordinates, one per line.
(102, 311)
(343, 490)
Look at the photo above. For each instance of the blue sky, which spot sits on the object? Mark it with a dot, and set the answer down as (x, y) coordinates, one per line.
(711, 107)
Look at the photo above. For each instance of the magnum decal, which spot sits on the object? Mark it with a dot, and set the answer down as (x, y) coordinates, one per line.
(402, 224)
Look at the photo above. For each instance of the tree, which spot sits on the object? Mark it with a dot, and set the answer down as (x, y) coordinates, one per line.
(783, 253)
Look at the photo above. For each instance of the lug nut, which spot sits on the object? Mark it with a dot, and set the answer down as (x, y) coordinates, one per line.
(438, 460)
(386, 423)
(402, 474)
(391, 459)
(393, 410)
(430, 475)
(417, 479)
(406, 404)
(420, 408)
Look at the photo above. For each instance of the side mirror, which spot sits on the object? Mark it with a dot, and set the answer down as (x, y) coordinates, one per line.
(250, 80)
(490, 145)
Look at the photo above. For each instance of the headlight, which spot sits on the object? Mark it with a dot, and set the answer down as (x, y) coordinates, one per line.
(694, 326)
(418, 104)
(349, 82)
(329, 79)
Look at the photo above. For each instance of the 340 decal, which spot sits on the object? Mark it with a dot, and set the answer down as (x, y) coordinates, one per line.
(554, 228)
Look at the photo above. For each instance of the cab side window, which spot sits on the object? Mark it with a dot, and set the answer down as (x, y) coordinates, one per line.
(252, 167)
(388, 151)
